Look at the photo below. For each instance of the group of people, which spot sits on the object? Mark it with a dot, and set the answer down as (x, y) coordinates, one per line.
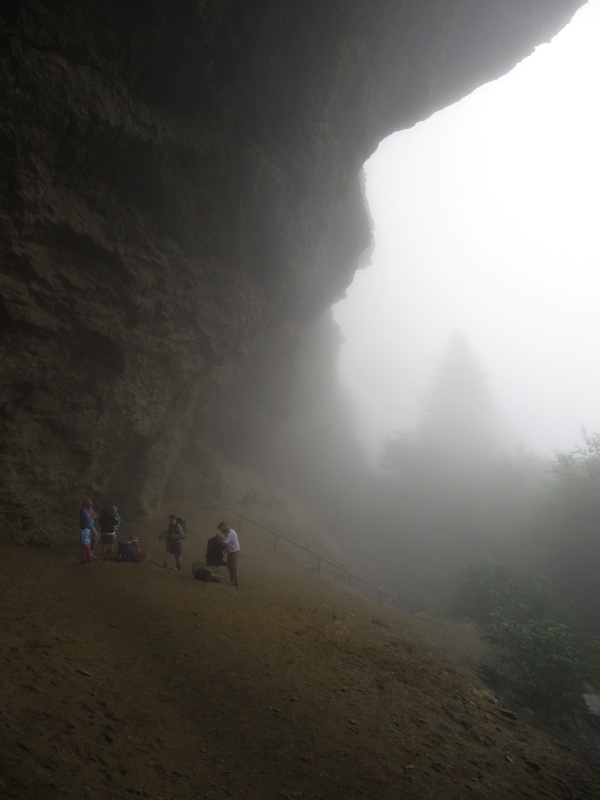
(225, 542)
(108, 522)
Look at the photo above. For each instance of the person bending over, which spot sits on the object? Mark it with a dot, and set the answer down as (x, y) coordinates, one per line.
(231, 542)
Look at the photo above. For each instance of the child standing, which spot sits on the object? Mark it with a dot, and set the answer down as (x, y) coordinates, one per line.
(85, 538)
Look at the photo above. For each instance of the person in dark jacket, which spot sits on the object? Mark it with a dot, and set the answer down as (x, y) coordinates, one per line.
(215, 552)
(109, 525)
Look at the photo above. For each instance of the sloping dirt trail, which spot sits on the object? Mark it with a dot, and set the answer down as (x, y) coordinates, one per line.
(127, 680)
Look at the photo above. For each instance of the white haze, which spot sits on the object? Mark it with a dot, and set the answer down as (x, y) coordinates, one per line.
(486, 219)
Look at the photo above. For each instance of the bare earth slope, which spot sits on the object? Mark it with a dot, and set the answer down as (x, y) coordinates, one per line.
(132, 681)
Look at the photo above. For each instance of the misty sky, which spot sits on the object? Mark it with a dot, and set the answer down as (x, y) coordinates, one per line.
(487, 220)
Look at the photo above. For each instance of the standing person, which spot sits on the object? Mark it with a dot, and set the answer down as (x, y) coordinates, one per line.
(87, 515)
(230, 541)
(85, 539)
(117, 517)
(174, 536)
(109, 524)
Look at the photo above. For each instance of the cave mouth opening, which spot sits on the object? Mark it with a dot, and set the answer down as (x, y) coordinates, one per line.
(486, 220)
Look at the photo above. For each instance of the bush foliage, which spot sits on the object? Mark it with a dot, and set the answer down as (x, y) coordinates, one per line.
(487, 587)
(545, 664)
(542, 662)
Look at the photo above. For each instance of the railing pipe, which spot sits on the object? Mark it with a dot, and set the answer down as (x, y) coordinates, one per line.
(381, 593)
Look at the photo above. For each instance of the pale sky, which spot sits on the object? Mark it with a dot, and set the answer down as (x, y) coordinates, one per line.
(487, 219)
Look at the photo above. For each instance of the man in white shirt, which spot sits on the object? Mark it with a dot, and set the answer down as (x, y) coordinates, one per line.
(230, 541)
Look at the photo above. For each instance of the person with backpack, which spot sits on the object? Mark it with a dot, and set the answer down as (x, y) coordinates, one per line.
(175, 534)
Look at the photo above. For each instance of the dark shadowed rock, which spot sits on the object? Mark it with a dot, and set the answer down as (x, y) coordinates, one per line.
(181, 196)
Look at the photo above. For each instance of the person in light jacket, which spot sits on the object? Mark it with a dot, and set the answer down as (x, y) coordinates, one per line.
(231, 542)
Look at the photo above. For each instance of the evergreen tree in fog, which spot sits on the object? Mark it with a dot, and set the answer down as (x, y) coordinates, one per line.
(459, 413)
(457, 436)
(441, 477)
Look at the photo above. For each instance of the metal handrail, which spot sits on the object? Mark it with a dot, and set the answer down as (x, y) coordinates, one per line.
(381, 593)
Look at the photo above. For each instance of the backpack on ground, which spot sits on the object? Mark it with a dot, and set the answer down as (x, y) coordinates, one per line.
(202, 574)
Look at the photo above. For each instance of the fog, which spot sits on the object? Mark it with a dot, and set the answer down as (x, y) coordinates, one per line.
(468, 365)
(486, 220)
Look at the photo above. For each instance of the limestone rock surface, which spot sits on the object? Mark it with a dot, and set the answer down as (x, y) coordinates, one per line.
(180, 198)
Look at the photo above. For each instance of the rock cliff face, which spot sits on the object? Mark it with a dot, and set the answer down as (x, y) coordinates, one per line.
(180, 198)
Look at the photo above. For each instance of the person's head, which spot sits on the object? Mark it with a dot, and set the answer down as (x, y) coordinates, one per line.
(172, 519)
(223, 527)
(113, 509)
(133, 539)
(87, 503)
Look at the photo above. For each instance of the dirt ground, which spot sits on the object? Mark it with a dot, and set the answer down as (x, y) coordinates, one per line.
(123, 680)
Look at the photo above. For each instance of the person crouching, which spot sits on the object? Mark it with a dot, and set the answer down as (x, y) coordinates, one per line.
(134, 554)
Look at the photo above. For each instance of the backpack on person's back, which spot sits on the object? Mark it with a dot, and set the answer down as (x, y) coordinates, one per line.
(174, 536)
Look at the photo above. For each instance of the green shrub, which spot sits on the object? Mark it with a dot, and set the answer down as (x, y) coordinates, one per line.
(542, 663)
(545, 664)
(486, 587)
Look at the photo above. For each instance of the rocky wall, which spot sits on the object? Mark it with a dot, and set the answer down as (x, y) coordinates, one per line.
(180, 196)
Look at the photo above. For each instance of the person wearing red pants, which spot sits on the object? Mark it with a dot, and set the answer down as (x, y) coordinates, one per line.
(85, 538)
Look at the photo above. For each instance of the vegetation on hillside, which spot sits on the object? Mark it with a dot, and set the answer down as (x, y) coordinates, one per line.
(542, 661)
(521, 533)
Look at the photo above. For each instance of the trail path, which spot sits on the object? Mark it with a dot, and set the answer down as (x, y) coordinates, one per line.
(133, 681)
